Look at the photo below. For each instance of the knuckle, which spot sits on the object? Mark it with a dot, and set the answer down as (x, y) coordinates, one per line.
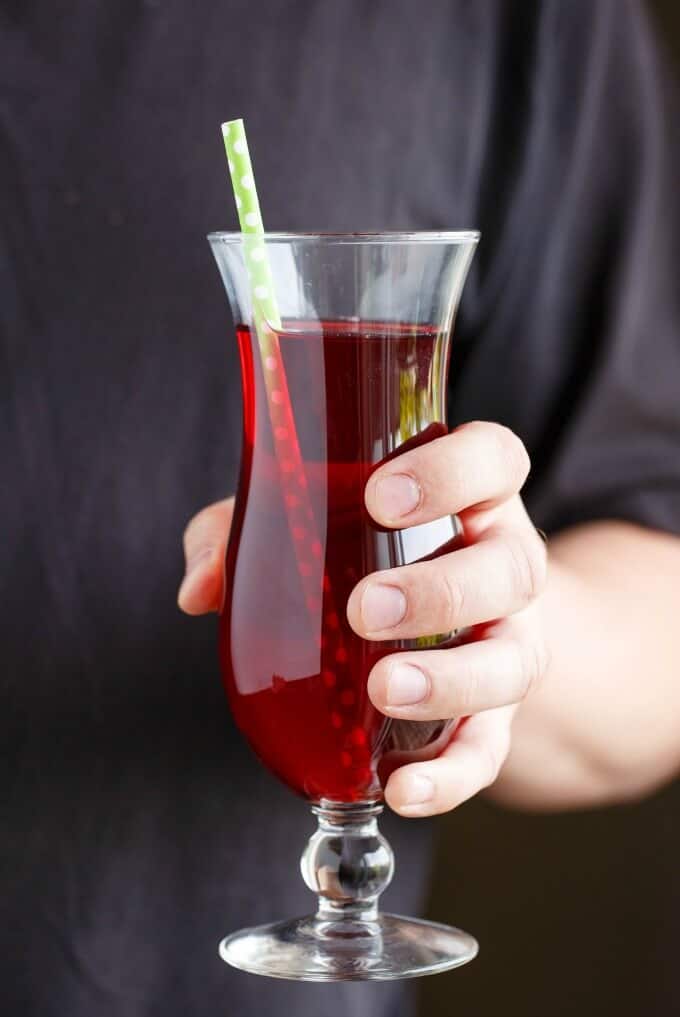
(445, 473)
(466, 693)
(458, 480)
(527, 567)
(513, 454)
(534, 662)
(451, 597)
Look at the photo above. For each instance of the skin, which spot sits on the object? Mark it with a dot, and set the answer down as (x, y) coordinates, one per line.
(558, 716)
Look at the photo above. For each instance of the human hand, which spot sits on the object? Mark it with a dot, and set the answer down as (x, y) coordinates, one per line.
(205, 545)
(476, 472)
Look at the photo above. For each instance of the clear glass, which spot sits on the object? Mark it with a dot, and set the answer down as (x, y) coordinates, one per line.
(346, 368)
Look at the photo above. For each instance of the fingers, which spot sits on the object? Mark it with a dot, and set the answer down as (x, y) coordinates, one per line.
(433, 684)
(205, 541)
(498, 576)
(479, 464)
(471, 763)
(476, 472)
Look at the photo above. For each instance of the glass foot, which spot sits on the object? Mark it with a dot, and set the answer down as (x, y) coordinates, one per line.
(348, 863)
(316, 950)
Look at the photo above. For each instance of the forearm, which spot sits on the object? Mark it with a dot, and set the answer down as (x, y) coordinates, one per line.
(604, 724)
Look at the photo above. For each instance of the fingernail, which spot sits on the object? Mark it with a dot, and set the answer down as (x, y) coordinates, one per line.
(406, 685)
(397, 495)
(382, 607)
(418, 790)
(194, 567)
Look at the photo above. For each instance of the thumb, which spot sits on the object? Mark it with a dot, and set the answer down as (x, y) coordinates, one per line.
(205, 542)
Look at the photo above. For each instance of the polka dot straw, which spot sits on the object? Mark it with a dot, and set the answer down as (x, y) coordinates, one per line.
(265, 310)
(267, 323)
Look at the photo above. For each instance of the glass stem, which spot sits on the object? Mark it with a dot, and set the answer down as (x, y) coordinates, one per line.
(347, 861)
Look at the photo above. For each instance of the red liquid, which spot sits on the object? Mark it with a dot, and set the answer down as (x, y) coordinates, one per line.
(294, 671)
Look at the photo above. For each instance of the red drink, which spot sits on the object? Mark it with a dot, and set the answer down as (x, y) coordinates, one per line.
(294, 671)
(337, 390)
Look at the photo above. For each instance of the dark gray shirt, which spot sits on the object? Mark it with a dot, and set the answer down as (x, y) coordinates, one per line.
(136, 830)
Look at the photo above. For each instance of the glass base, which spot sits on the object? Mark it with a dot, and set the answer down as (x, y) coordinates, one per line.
(314, 949)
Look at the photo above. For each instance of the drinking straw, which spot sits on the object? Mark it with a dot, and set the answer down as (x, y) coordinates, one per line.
(267, 321)
(265, 310)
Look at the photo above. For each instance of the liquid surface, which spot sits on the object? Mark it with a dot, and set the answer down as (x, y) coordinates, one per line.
(294, 671)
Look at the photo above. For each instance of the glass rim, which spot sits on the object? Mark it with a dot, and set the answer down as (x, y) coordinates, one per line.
(385, 237)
